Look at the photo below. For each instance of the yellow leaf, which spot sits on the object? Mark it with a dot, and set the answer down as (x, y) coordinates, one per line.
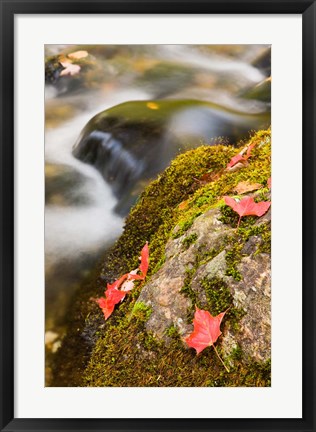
(78, 55)
(246, 186)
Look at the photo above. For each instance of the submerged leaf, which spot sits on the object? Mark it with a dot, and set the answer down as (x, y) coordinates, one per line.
(77, 55)
(70, 69)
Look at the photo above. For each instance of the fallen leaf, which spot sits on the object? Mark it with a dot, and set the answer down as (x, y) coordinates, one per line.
(107, 304)
(269, 183)
(114, 295)
(246, 186)
(144, 260)
(183, 205)
(70, 69)
(210, 177)
(240, 156)
(128, 285)
(206, 331)
(117, 283)
(152, 105)
(247, 207)
(249, 148)
(77, 55)
(234, 160)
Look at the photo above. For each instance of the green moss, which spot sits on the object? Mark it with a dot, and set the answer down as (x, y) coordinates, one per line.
(265, 246)
(157, 212)
(141, 311)
(236, 242)
(188, 292)
(159, 264)
(219, 299)
(207, 255)
(233, 257)
(189, 240)
(172, 332)
(127, 356)
(218, 295)
(184, 225)
(236, 353)
(254, 375)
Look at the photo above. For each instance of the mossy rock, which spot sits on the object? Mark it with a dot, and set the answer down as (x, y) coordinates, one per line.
(131, 143)
(219, 267)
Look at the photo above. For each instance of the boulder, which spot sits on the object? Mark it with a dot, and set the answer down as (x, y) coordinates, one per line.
(251, 295)
(131, 143)
(198, 257)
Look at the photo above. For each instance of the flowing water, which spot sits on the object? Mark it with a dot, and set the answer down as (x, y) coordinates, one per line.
(80, 217)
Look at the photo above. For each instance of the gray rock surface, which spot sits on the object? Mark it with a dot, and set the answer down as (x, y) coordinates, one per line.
(252, 294)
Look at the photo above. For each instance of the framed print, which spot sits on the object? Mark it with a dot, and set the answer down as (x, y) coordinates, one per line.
(157, 215)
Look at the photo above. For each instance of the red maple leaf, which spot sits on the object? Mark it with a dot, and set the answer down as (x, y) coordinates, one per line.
(144, 264)
(144, 260)
(234, 160)
(107, 304)
(117, 283)
(239, 157)
(269, 183)
(247, 207)
(206, 331)
(248, 154)
(114, 295)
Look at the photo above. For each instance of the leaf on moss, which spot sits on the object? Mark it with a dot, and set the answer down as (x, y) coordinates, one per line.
(247, 207)
(117, 291)
(210, 177)
(246, 186)
(112, 297)
(240, 158)
(269, 183)
(183, 205)
(128, 284)
(206, 330)
(144, 260)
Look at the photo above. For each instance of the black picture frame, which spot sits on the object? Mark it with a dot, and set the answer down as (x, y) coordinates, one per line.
(9, 8)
